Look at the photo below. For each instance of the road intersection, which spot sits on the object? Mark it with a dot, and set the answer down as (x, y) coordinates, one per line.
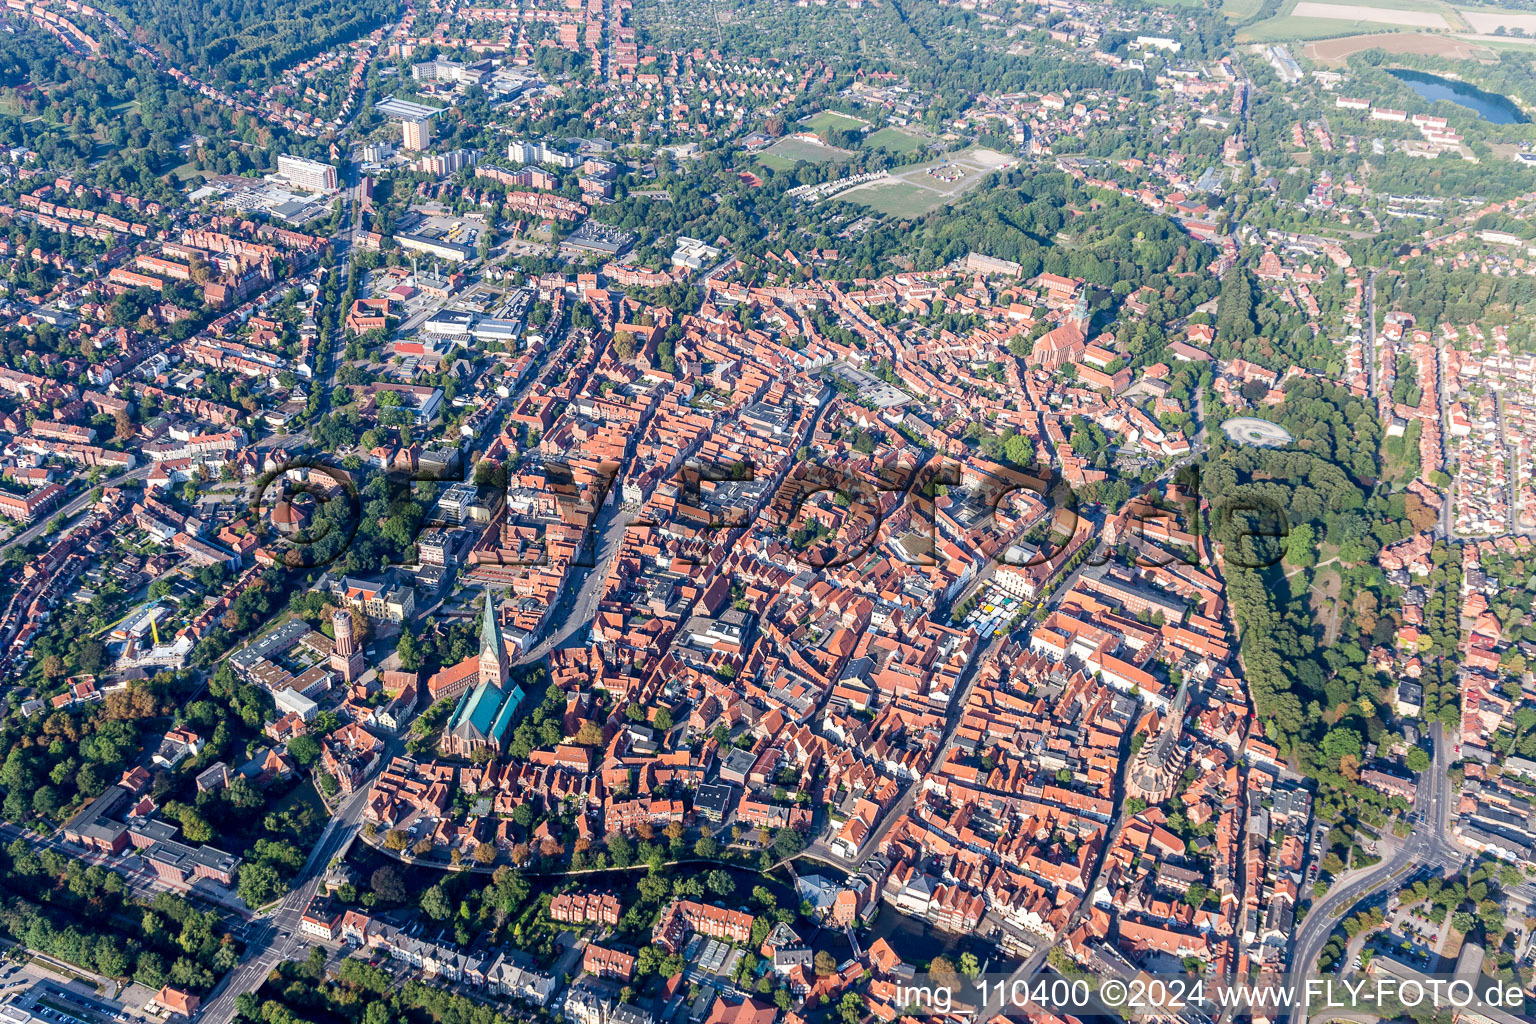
(1427, 845)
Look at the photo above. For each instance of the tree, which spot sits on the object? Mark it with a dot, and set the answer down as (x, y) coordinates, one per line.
(409, 651)
(788, 843)
(434, 903)
(304, 749)
(485, 853)
(388, 884)
(396, 839)
(1417, 760)
(720, 883)
(824, 963)
(46, 801)
(1019, 450)
(1301, 547)
(943, 971)
(259, 883)
(620, 851)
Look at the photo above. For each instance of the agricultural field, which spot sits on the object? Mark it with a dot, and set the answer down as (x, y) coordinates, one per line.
(1310, 19)
(1362, 12)
(1337, 51)
(1488, 20)
(1241, 10)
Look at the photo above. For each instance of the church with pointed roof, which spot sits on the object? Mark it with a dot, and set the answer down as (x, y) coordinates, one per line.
(1066, 343)
(482, 720)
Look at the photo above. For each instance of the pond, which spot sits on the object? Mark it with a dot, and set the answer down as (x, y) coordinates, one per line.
(1490, 106)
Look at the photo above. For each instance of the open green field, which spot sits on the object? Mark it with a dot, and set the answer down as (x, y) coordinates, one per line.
(774, 163)
(185, 172)
(895, 140)
(826, 119)
(1240, 10)
(914, 191)
(900, 199)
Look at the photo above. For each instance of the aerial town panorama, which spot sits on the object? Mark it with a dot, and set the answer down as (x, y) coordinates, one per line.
(767, 511)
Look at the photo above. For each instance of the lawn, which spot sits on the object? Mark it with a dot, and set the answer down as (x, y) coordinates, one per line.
(186, 172)
(895, 140)
(898, 199)
(826, 119)
(774, 163)
(912, 191)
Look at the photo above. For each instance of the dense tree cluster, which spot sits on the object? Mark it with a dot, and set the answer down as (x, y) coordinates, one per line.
(56, 761)
(1310, 684)
(85, 916)
(245, 43)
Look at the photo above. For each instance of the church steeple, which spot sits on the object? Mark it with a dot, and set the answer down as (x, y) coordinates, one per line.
(493, 652)
(1080, 315)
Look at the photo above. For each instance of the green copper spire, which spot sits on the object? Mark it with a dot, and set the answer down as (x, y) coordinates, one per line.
(490, 629)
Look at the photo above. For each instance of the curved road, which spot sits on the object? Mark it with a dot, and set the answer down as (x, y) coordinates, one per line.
(1428, 845)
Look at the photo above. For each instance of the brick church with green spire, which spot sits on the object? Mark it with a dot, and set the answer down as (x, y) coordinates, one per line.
(483, 718)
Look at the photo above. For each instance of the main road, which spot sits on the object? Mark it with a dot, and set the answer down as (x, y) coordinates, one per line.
(73, 508)
(278, 937)
(1427, 845)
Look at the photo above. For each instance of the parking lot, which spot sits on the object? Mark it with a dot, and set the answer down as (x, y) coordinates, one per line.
(33, 989)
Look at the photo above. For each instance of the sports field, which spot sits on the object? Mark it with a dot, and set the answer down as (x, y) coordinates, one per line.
(827, 119)
(784, 154)
(893, 139)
